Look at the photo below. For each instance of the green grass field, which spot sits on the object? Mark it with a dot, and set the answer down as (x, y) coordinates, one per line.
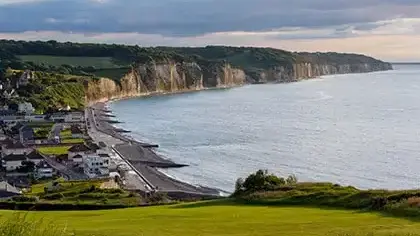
(59, 150)
(72, 140)
(97, 62)
(184, 220)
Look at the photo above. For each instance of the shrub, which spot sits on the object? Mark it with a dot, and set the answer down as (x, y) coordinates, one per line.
(54, 196)
(261, 181)
(24, 199)
(292, 179)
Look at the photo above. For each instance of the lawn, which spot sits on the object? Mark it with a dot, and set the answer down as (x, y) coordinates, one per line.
(225, 220)
(97, 62)
(65, 134)
(72, 140)
(57, 150)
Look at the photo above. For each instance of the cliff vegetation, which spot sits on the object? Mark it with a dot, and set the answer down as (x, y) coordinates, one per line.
(118, 71)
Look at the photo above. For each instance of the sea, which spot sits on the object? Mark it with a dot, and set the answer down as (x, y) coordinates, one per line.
(361, 130)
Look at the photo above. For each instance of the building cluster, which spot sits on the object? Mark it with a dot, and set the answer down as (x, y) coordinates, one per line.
(18, 159)
(94, 161)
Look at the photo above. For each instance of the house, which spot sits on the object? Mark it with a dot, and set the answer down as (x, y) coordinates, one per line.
(24, 78)
(15, 147)
(79, 149)
(35, 157)
(44, 170)
(12, 162)
(76, 132)
(96, 166)
(68, 117)
(8, 191)
(78, 159)
(26, 134)
(26, 108)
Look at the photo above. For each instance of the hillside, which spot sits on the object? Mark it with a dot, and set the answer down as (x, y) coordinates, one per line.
(120, 71)
(225, 219)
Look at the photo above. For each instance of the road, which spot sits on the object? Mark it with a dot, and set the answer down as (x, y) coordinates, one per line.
(136, 158)
(55, 131)
(65, 170)
(133, 181)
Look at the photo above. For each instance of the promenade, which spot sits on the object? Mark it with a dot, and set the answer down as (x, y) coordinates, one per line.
(140, 158)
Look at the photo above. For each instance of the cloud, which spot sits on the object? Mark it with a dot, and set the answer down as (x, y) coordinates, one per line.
(308, 25)
(197, 17)
(389, 47)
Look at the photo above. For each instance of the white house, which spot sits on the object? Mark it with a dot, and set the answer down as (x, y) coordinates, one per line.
(26, 107)
(44, 170)
(68, 117)
(13, 161)
(96, 166)
(78, 159)
(78, 150)
(35, 118)
(15, 147)
(35, 157)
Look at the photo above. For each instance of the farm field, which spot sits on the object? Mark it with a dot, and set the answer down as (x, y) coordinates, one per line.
(97, 62)
(224, 219)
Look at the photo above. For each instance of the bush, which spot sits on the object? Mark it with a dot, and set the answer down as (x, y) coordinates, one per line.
(24, 199)
(292, 179)
(262, 181)
(54, 196)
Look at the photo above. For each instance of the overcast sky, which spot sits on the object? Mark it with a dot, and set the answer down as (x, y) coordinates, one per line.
(387, 29)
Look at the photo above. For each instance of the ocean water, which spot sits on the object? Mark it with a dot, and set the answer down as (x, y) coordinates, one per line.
(359, 129)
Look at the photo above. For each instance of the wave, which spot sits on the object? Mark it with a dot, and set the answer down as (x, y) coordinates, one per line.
(322, 96)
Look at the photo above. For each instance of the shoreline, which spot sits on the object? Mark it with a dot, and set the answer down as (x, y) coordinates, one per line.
(142, 158)
(157, 93)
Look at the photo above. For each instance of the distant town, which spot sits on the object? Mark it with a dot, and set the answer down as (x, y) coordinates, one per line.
(76, 145)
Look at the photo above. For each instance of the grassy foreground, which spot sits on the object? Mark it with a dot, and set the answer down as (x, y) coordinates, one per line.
(224, 219)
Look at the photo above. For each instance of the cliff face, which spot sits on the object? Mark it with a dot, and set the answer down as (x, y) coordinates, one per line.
(164, 77)
(308, 70)
(170, 77)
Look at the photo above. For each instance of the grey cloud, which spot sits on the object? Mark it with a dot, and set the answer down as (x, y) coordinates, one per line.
(195, 17)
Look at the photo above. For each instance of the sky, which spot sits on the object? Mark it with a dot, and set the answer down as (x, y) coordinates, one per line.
(386, 29)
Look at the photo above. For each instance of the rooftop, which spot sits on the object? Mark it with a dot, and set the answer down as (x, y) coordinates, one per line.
(4, 186)
(14, 157)
(35, 155)
(15, 145)
(79, 148)
(43, 164)
(75, 129)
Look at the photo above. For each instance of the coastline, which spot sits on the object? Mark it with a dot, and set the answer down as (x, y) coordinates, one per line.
(105, 103)
(142, 158)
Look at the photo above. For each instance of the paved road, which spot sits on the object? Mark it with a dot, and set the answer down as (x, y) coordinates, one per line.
(145, 176)
(55, 131)
(133, 181)
(65, 170)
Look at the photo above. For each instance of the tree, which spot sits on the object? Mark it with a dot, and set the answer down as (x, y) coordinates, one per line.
(292, 179)
(27, 167)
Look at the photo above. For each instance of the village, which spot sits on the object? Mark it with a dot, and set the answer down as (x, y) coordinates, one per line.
(41, 147)
(78, 145)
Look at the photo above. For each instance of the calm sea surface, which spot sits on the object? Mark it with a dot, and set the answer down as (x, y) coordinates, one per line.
(360, 129)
